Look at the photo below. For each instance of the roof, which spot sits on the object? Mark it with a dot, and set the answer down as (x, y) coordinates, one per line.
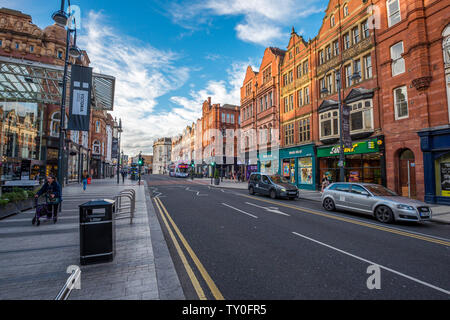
(357, 94)
(29, 81)
(230, 106)
(277, 51)
(328, 105)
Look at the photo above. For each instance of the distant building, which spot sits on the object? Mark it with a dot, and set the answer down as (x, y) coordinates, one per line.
(162, 150)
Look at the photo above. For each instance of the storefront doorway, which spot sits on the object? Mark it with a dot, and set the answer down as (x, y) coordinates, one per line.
(407, 174)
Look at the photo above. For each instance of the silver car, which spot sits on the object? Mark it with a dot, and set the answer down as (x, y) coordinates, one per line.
(375, 200)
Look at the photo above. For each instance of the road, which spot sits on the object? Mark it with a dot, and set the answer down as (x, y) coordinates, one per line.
(229, 245)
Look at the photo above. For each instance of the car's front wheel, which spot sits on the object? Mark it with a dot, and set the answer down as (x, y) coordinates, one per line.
(251, 190)
(328, 204)
(384, 214)
(273, 194)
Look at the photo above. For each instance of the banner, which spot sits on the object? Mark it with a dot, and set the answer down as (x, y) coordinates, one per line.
(115, 148)
(80, 98)
(346, 138)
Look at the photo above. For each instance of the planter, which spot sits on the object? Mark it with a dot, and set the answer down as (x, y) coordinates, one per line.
(25, 204)
(8, 209)
(217, 181)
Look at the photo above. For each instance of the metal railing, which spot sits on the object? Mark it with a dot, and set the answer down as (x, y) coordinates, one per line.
(70, 284)
(126, 209)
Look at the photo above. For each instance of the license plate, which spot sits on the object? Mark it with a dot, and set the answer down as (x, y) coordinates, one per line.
(425, 214)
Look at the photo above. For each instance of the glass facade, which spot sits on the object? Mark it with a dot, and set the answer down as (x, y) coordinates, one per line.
(21, 141)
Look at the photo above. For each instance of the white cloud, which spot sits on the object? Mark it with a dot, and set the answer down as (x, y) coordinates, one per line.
(263, 20)
(143, 74)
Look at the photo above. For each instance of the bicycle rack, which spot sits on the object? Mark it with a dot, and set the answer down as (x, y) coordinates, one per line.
(125, 209)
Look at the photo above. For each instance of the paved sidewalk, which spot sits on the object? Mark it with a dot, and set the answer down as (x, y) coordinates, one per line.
(33, 260)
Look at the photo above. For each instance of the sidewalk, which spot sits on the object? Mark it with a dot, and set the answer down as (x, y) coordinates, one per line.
(33, 260)
(441, 214)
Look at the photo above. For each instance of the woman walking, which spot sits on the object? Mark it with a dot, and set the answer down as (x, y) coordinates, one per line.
(325, 182)
(53, 193)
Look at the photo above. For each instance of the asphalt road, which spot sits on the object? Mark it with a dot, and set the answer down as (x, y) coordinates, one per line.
(229, 245)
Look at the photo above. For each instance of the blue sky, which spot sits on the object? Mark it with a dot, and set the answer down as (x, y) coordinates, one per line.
(169, 56)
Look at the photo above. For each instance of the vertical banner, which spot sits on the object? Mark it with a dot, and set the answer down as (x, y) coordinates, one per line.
(347, 140)
(80, 98)
(115, 148)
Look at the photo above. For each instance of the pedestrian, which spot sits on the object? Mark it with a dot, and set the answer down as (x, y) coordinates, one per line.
(325, 182)
(85, 180)
(53, 195)
(123, 175)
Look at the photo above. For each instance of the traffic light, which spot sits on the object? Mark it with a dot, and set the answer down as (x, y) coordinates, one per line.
(192, 164)
(213, 163)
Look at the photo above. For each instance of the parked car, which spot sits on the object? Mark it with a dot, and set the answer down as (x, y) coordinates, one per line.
(384, 204)
(272, 185)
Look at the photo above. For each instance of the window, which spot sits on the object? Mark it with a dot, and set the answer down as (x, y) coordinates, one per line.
(286, 105)
(290, 54)
(97, 126)
(289, 134)
(291, 76)
(75, 136)
(345, 10)
(401, 103)
(223, 117)
(270, 100)
(228, 118)
(355, 33)
(291, 102)
(261, 105)
(307, 95)
(54, 124)
(398, 63)
(1, 43)
(299, 71)
(393, 12)
(265, 102)
(365, 29)
(328, 52)
(267, 75)
(357, 68)
(367, 67)
(96, 147)
(330, 83)
(285, 80)
(346, 41)
(332, 21)
(300, 97)
(321, 57)
(59, 54)
(248, 89)
(361, 116)
(322, 86)
(31, 48)
(336, 48)
(305, 68)
(304, 129)
(232, 118)
(329, 124)
(348, 75)
(17, 45)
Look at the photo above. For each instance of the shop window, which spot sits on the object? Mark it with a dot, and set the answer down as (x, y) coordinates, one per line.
(398, 63)
(401, 103)
(393, 12)
(442, 167)
(329, 125)
(305, 170)
(361, 116)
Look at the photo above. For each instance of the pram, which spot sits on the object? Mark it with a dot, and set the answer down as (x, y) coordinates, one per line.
(42, 210)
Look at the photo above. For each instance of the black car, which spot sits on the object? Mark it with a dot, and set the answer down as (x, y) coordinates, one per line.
(272, 185)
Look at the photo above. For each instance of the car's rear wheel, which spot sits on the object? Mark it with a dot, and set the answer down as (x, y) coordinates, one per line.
(251, 190)
(273, 194)
(384, 214)
(328, 204)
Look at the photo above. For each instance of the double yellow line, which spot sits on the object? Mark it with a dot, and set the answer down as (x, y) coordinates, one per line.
(353, 221)
(206, 277)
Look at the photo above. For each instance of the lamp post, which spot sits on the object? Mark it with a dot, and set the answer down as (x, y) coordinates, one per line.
(61, 17)
(118, 127)
(355, 77)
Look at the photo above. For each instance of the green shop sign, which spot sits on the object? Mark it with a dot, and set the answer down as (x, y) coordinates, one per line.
(369, 146)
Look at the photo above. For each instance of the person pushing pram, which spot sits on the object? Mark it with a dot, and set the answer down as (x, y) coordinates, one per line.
(53, 197)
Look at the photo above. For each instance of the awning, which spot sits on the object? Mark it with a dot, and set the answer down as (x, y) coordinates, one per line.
(30, 81)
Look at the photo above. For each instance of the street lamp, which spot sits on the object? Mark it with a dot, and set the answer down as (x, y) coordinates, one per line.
(60, 17)
(119, 131)
(355, 77)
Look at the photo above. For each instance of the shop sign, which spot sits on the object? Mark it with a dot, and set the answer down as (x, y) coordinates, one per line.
(356, 148)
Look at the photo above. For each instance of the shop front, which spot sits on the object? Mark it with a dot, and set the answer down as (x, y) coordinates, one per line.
(268, 163)
(435, 145)
(364, 162)
(298, 164)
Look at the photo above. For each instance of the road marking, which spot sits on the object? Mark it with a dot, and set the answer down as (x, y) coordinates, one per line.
(373, 263)
(358, 222)
(212, 286)
(198, 192)
(249, 214)
(190, 272)
(270, 209)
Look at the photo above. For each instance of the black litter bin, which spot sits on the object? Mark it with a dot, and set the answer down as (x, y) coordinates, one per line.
(97, 232)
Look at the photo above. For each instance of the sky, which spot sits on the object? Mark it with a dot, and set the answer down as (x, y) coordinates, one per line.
(170, 56)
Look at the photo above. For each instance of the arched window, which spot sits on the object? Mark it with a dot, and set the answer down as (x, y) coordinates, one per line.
(446, 46)
(96, 147)
(55, 124)
(345, 10)
(332, 21)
